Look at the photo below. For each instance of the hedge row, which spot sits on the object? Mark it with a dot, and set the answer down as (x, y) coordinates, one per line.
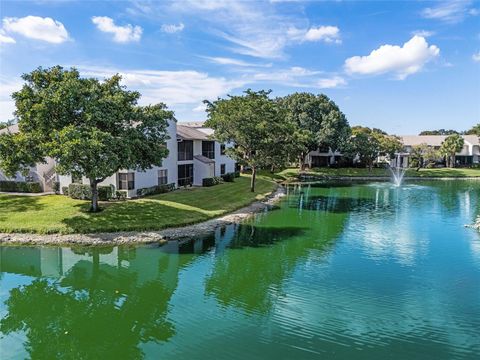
(211, 181)
(228, 177)
(84, 192)
(158, 189)
(20, 186)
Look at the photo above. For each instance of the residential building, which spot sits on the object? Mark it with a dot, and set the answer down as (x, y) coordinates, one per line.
(43, 173)
(469, 155)
(193, 156)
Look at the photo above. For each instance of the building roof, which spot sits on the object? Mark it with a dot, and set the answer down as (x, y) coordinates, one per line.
(434, 140)
(194, 124)
(190, 133)
(12, 129)
(204, 159)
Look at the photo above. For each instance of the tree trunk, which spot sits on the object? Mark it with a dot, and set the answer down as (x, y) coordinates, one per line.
(370, 166)
(452, 161)
(301, 161)
(93, 186)
(252, 182)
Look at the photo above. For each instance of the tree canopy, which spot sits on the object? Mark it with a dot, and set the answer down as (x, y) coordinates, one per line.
(319, 123)
(450, 146)
(439, 132)
(255, 124)
(91, 128)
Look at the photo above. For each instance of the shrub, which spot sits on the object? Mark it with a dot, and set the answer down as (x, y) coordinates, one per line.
(80, 191)
(211, 181)
(105, 193)
(121, 195)
(237, 174)
(20, 186)
(158, 189)
(84, 192)
(56, 187)
(65, 190)
(228, 177)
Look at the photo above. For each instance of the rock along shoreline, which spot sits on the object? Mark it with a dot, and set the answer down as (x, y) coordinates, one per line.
(145, 237)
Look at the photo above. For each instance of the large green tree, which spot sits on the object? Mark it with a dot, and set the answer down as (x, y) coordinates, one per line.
(255, 124)
(364, 145)
(450, 146)
(319, 123)
(439, 132)
(423, 155)
(91, 128)
(475, 130)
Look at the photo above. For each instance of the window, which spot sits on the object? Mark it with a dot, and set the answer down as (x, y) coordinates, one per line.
(162, 177)
(222, 149)
(126, 181)
(222, 169)
(185, 174)
(185, 150)
(208, 149)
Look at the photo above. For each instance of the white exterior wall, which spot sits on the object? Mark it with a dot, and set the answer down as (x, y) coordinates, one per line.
(202, 171)
(145, 178)
(223, 159)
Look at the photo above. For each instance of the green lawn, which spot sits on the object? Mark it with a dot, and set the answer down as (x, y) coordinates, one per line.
(60, 214)
(363, 172)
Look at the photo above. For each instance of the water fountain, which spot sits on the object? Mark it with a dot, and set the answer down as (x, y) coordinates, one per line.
(397, 172)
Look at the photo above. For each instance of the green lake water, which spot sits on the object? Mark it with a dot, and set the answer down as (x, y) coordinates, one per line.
(336, 271)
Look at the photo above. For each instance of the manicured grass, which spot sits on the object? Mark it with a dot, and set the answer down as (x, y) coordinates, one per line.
(60, 214)
(363, 172)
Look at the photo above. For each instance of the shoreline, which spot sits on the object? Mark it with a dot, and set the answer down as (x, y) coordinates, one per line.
(145, 237)
(383, 178)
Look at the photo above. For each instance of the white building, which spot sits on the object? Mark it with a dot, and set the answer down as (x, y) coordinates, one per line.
(469, 155)
(193, 156)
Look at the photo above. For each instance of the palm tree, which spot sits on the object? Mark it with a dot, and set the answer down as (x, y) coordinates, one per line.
(450, 146)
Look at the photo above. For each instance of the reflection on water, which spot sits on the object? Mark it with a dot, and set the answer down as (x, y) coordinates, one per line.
(336, 271)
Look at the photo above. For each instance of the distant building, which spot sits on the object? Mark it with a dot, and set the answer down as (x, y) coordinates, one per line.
(469, 155)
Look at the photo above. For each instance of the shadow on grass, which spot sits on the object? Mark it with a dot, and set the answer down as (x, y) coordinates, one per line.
(132, 216)
(15, 204)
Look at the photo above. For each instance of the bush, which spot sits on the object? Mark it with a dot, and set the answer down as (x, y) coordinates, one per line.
(56, 187)
(65, 190)
(211, 181)
(105, 193)
(84, 192)
(228, 177)
(237, 174)
(20, 186)
(121, 195)
(158, 189)
(80, 191)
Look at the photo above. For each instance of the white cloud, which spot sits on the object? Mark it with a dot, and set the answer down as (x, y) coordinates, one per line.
(324, 33)
(234, 62)
(200, 108)
(449, 11)
(121, 34)
(330, 83)
(476, 57)
(423, 33)
(38, 28)
(401, 60)
(5, 39)
(7, 87)
(172, 28)
(299, 77)
(171, 87)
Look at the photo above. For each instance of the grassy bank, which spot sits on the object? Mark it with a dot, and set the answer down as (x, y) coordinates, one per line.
(60, 214)
(363, 172)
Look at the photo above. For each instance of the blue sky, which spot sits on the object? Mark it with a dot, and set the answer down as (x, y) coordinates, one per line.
(401, 66)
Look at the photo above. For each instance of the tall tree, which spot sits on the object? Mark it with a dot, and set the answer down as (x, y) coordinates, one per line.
(475, 130)
(364, 144)
(91, 128)
(255, 124)
(319, 123)
(450, 146)
(423, 155)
